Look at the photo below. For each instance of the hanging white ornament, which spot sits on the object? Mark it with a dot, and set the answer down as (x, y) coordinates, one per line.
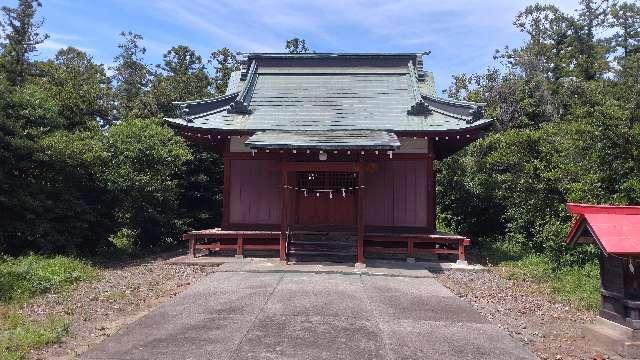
(330, 194)
(305, 192)
(317, 193)
(344, 192)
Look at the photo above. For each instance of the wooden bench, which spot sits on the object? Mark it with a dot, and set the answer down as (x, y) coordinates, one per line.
(444, 244)
(195, 239)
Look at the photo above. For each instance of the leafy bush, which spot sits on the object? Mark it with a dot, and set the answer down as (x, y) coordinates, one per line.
(24, 277)
(128, 177)
(511, 187)
(147, 161)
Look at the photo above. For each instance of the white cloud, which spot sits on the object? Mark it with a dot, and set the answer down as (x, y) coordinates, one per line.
(263, 25)
(56, 42)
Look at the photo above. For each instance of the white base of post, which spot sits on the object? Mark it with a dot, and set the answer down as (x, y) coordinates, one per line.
(411, 260)
(361, 266)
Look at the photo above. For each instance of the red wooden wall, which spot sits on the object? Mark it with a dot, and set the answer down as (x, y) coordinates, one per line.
(397, 194)
(254, 192)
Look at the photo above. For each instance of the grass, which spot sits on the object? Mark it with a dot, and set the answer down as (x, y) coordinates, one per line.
(18, 336)
(579, 285)
(23, 278)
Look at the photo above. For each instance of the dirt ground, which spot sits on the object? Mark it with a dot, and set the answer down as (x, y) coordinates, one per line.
(550, 329)
(122, 294)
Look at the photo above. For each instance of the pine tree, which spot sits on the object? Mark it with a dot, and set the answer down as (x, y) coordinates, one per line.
(224, 62)
(297, 46)
(625, 18)
(21, 36)
(182, 77)
(132, 79)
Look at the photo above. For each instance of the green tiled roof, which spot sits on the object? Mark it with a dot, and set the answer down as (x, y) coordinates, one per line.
(328, 140)
(330, 93)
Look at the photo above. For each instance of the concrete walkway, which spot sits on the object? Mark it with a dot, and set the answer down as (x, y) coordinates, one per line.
(309, 315)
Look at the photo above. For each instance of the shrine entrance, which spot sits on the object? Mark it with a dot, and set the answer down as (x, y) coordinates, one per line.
(322, 211)
(325, 198)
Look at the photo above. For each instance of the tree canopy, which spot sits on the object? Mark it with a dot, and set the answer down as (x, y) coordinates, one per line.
(88, 167)
(566, 109)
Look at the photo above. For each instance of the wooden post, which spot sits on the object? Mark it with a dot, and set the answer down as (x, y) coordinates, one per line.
(461, 251)
(192, 247)
(283, 223)
(361, 218)
(240, 246)
(410, 248)
(431, 189)
(226, 191)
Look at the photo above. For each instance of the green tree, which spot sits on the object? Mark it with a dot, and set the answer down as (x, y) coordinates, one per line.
(224, 63)
(297, 46)
(132, 79)
(590, 52)
(568, 131)
(182, 77)
(80, 87)
(625, 18)
(21, 36)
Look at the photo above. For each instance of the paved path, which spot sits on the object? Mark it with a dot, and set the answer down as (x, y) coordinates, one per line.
(239, 315)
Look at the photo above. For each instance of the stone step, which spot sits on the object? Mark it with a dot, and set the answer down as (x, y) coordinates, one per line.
(322, 246)
(322, 238)
(324, 257)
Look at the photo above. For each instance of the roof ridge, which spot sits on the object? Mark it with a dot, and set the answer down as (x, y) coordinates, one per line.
(453, 102)
(241, 104)
(576, 209)
(419, 107)
(207, 100)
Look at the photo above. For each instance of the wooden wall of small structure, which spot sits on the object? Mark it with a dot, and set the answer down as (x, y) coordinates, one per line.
(620, 290)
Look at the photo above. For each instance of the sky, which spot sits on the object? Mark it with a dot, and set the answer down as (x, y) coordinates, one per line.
(462, 35)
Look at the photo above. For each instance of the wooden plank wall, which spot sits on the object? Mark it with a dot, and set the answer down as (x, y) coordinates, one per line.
(397, 194)
(254, 192)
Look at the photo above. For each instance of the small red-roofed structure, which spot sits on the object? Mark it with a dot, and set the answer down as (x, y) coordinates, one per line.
(616, 231)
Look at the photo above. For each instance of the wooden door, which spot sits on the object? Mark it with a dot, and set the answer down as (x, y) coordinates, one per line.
(326, 198)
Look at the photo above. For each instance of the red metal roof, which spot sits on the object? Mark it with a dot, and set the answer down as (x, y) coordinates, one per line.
(616, 229)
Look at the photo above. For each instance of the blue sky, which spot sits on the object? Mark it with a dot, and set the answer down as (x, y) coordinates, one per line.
(461, 34)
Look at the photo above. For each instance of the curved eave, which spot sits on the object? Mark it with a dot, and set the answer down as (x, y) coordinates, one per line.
(186, 126)
(480, 125)
(198, 108)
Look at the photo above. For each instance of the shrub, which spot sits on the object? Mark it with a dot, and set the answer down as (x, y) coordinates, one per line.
(511, 187)
(130, 177)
